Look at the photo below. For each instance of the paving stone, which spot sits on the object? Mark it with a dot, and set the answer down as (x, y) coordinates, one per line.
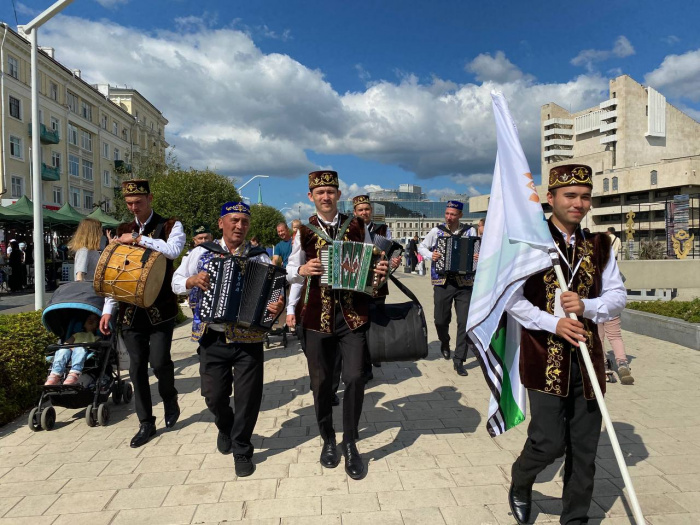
(218, 512)
(194, 494)
(392, 517)
(422, 516)
(32, 506)
(138, 498)
(433, 478)
(468, 515)
(319, 486)
(411, 499)
(250, 489)
(86, 518)
(282, 508)
(164, 516)
(101, 483)
(82, 502)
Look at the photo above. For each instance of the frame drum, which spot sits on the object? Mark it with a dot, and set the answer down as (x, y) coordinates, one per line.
(130, 274)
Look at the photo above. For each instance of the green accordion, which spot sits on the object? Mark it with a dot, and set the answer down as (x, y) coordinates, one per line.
(349, 266)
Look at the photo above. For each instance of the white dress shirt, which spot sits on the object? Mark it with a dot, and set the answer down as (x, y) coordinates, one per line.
(297, 258)
(609, 305)
(171, 249)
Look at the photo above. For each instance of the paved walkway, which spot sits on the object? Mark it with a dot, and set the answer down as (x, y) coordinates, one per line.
(430, 459)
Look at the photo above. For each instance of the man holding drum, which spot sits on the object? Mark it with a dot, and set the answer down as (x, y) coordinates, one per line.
(451, 287)
(148, 332)
(333, 320)
(226, 346)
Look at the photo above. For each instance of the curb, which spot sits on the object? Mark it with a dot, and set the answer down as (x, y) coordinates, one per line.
(660, 327)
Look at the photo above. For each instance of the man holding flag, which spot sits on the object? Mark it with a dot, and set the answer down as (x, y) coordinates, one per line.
(516, 277)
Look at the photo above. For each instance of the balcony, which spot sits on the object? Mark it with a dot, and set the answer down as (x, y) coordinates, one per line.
(608, 103)
(558, 142)
(559, 131)
(47, 136)
(568, 153)
(50, 173)
(608, 115)
(122, 167)
(558, 122)
(607, 139)
(610, 126)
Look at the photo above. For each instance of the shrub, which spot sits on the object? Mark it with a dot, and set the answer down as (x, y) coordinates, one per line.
(22, 362)
(687, 310)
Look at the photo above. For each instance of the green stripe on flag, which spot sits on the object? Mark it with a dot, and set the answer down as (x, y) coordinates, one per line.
(512, 415)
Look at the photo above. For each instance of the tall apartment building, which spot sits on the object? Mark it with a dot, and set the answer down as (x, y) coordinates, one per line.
(86, 133)
(643, 152)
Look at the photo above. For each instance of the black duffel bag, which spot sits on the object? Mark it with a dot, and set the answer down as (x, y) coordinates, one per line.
(397, 332)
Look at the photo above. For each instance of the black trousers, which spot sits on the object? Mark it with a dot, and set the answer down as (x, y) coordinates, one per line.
(559, 426)
(321, 353)
(443, 297)
(150, 343)
(222, 365)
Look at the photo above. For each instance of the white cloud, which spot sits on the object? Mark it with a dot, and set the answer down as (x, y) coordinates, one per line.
(240, 111)
(300, 209)
(496, 68)
(621, 48)
(678, 76)
(23, 9)
(112, 4)
(670, 40)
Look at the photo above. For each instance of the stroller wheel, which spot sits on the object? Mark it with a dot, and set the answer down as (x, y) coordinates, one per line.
(48, 418)
(284, 340)
(128, 392)
(33, 421)
(117, 392)
(267, 342)
(89, 417)
(103, 414)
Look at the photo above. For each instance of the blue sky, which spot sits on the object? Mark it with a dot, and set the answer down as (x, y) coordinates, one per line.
(384, 92)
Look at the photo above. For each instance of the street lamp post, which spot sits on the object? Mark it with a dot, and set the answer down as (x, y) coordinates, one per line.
(249, 181)
(31, 29)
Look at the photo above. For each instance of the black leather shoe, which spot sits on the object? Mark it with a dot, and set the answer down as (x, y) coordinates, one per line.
(145, 433)
(244, 465)
(459, 367)
(224, 443)
(354, 466)
(520, 506)
(336, 400)
(329, 454)
(377, 365)
(172, 412)
(445, 349)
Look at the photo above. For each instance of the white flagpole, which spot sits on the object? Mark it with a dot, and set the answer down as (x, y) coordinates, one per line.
(636, 509)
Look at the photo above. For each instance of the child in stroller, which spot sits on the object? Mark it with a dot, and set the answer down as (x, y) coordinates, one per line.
(76, 355)
(70, 316)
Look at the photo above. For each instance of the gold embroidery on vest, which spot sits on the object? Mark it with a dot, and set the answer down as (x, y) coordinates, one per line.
(555, 347)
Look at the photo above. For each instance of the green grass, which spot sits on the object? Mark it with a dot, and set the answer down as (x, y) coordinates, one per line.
(686, 310)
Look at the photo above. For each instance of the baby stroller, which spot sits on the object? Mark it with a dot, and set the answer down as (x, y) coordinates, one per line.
(64, 316)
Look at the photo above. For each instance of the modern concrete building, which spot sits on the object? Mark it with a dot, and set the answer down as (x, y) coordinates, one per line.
(87, 134)
(643, 152)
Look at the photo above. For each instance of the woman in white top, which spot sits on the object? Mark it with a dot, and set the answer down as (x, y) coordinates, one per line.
(85, 244)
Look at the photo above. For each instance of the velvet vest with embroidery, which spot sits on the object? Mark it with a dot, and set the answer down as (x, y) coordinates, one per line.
(379, 229)
(315, 309)
(459, 281)
(545, 358)
(165, 306)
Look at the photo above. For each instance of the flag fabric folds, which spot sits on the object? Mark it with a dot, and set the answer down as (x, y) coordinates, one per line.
(514, 246)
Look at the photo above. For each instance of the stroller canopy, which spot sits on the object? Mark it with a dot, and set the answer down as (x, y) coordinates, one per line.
(69, 306)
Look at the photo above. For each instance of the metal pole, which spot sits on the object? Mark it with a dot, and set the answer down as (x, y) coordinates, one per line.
(37, 194)
(632, 495)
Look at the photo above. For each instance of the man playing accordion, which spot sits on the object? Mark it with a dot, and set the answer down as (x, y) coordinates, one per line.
(228, 353)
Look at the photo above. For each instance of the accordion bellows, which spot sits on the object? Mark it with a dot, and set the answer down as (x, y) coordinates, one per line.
(240, 291)
(348, 265)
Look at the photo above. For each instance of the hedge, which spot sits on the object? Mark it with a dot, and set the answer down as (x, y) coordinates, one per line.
(22, 362)
(686, 310)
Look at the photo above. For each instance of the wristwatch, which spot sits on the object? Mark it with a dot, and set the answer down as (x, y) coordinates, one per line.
(134, 236)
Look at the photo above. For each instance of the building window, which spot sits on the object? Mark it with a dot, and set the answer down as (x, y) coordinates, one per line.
(72, 101)
(13, 67)
(17, 187)
(86, 111)
(106, 178)
(86, 140)
(614, 183)
(87, 197)
(606, 184)
(115, 128)
(72, 134)
(57, 195)
(116, 154)
(124, 135)
(16, 147)
(56, 160)
(74, 165)
(53, 91)
(87, 170)
(15, 108)
(654, 178)
(105, 150)
(55, 124)
(75, 197)
(104, 121)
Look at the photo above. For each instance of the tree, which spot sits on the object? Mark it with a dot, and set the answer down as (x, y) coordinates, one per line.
(263, 222)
